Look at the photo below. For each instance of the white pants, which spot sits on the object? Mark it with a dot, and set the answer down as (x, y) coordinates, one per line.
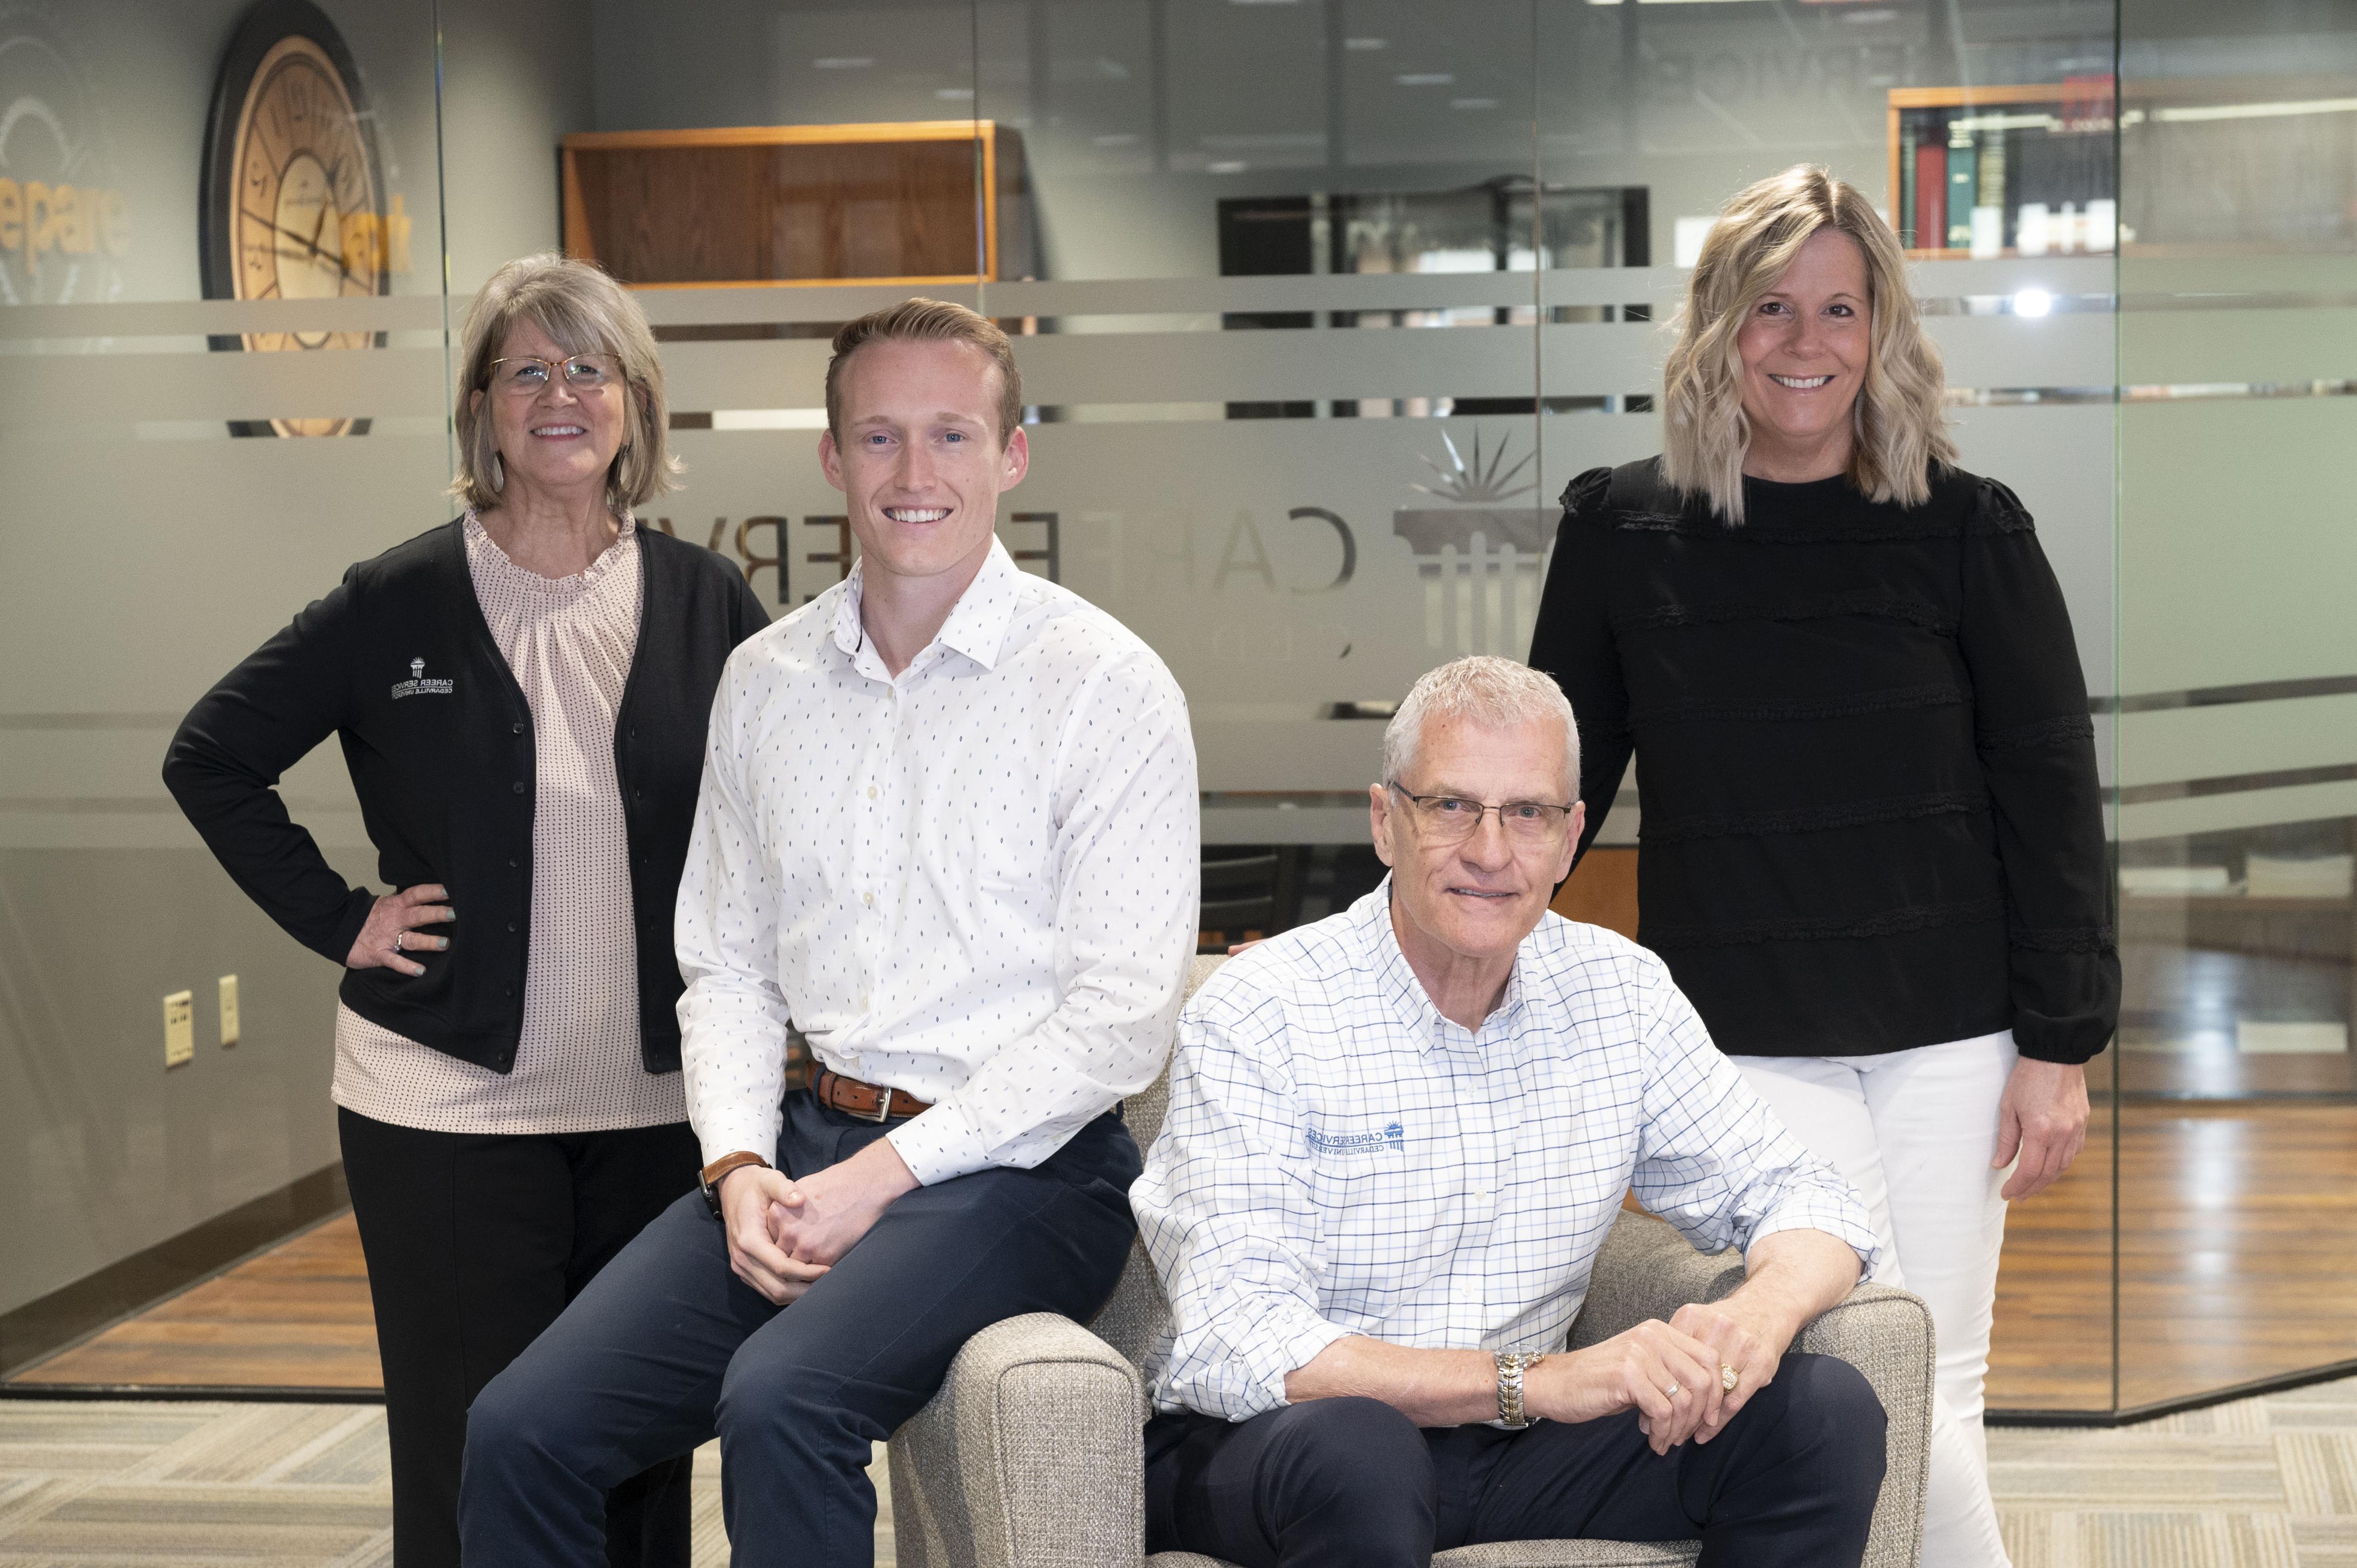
(1915, 1132)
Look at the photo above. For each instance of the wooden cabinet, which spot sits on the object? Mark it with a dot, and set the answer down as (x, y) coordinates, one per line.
(809, 205)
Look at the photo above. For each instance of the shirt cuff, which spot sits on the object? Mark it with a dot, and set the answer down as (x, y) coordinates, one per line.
(936, 1144)
(1852, 1232)
(1296, 1344)
(728, 1133)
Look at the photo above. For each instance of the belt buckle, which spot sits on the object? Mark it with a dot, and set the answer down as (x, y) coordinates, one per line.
(883, 1107)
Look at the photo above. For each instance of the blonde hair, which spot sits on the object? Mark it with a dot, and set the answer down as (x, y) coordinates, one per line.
(1900, 428)
(583, 311)
(928, 321)
(1483, 690)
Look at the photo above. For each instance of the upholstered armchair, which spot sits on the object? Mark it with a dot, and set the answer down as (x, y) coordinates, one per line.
(1031, 1456)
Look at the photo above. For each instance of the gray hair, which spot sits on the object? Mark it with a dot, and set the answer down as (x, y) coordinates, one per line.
(1484, 690)
(583, 311)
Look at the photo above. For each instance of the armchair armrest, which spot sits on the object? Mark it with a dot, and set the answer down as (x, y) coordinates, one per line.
(1887, 1334)
(1645, 1269)
(1028, 1457)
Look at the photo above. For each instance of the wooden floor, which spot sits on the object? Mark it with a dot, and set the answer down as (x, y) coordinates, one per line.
(2238, 1252)
(296, 1317)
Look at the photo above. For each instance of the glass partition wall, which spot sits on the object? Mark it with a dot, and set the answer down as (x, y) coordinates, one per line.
(1320, 304)
(1324, 301)
(222, 380)
(2238, 695)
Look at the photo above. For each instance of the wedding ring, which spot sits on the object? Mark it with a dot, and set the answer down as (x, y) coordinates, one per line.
(396, 939)
(1728, 1378)
(1670, 1392)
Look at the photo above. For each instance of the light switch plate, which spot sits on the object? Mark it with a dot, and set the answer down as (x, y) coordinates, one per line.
(229, 1009)
(179, 1028)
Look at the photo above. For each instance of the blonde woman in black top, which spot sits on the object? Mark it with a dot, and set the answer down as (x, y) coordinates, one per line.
(1873, 848)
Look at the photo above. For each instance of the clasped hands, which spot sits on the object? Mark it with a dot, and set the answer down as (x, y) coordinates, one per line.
(784, 1233)
(1670, 1372)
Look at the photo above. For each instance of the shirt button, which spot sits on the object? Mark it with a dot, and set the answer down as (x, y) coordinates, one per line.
(519, 786)
(871, 791)
(868, 899)
(519, 729)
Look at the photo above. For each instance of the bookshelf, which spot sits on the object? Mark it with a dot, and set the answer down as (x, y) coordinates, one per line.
(2004, 171)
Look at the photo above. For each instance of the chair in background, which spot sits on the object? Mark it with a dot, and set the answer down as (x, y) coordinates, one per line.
(1250, 891)
(1031, 1456)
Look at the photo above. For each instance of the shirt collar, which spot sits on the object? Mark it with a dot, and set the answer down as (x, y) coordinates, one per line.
(1396, 978)
(978, 621)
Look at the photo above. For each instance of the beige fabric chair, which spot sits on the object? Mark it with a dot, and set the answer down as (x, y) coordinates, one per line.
(1031, 1456)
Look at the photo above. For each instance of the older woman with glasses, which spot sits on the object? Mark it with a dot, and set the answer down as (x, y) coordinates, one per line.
(522, 696)
(1873, 843)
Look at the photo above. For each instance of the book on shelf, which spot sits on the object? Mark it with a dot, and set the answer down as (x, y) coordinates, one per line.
(1964, 179)
(1902, 212)
(1931, 195)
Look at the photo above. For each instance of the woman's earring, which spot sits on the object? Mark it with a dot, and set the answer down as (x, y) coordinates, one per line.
(499, 473)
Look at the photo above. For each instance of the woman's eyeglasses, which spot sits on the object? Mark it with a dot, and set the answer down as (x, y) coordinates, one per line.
(582, 372)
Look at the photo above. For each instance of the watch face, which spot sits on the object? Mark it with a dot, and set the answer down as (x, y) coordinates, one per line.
(294, 206)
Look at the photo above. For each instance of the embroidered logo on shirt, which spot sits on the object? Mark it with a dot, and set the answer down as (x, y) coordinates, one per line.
(417, 686)
(1393, 1136)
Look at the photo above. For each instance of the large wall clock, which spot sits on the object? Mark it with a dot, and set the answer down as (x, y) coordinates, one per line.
(293, 203)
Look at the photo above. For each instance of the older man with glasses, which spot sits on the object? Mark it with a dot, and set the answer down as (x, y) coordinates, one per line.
(1396, 1139)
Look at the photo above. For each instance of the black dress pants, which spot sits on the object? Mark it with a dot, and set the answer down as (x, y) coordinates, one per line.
(475, 1243)
(1352, 1483)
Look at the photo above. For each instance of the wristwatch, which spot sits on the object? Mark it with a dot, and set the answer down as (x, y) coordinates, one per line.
(1510, 1366)
(709, 1177)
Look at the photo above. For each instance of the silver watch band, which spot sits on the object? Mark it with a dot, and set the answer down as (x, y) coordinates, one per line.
(1510, 1365)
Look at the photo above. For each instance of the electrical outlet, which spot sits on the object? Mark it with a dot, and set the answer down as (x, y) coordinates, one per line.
(229, 1009)
(179, 1028)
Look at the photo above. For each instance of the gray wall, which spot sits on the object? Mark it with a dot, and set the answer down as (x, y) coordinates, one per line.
(142, 554)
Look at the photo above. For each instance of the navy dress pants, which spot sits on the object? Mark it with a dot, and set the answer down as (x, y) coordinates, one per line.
(1352, 1483)
(667, 1347)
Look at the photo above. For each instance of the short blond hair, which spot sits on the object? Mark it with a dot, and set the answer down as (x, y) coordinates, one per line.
(583, 311)
(1483, 690)
(928, 321)
(1898, 420)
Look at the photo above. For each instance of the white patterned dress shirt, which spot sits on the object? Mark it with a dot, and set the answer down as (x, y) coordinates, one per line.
(1341, 1159)
(976, 882)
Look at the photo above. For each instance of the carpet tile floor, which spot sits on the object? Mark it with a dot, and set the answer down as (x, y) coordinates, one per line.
(2264, 1483)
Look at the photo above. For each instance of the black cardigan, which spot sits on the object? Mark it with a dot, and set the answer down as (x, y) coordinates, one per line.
(399, 663)
(1870, 818)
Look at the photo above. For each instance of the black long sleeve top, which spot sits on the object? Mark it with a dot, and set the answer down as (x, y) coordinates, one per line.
(398, 663)
(1870, 817)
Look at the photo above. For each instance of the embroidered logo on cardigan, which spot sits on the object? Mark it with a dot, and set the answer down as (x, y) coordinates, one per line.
(417, 686)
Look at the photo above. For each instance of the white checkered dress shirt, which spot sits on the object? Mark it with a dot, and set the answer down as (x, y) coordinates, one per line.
(1341, 1159)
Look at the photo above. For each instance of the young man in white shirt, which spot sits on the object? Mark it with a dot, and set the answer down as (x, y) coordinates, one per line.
(1396, 1139)
(948, 830)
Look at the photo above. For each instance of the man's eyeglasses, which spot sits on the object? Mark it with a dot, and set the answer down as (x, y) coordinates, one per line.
(582, 372)
(1450, 818)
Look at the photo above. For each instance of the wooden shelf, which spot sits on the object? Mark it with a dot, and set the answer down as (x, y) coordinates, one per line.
(801, 205)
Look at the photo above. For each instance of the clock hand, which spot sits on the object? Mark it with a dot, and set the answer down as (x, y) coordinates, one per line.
(307, 244)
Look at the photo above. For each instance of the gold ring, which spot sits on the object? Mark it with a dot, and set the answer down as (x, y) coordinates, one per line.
(1728, 1378)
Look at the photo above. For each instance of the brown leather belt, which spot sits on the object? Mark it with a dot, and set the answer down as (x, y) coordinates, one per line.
(869, 1101)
